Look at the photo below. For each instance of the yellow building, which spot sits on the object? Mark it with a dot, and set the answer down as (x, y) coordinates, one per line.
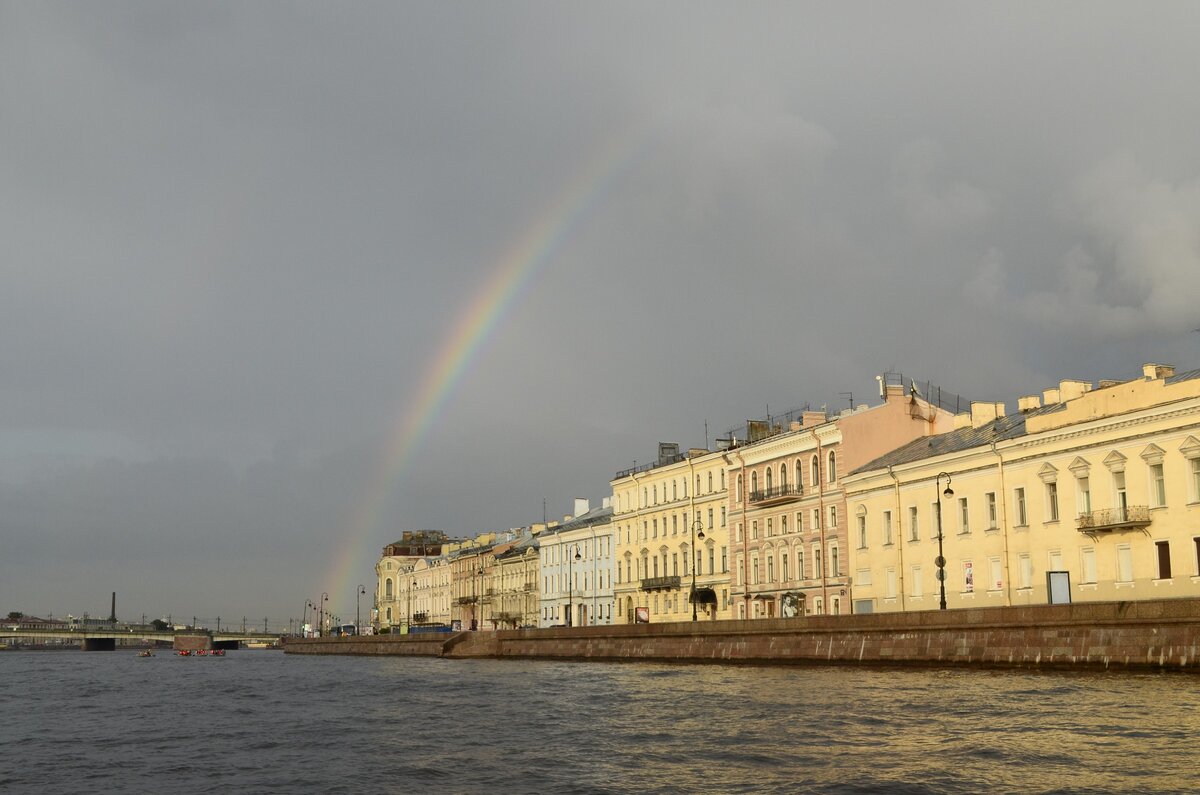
(395, 585)
(1085, 494)
(670, 526)
(431, 591)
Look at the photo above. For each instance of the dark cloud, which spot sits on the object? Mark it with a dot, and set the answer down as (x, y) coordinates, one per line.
(237, 236)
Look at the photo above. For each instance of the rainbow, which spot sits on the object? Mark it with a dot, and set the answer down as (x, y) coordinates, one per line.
(512, 275)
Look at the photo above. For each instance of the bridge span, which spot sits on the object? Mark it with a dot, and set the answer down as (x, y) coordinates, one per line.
(96, 639)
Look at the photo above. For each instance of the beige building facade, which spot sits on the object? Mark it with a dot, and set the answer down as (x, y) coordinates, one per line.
(1085, 494)
(670, 529)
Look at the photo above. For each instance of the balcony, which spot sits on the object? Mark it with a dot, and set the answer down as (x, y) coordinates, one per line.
(465, 600)
(1131, 517)
(661, 584)
(776, 495)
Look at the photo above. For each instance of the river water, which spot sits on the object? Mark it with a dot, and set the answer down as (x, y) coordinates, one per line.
(262, 721)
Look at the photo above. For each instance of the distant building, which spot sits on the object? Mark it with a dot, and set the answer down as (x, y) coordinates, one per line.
(394, 574)
(577, 569)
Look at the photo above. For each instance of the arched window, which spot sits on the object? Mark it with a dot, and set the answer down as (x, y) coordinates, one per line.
(783, 476)
(831, 471)
(387, 588)
(768, 479)
(697, 484)
(739, 488)
(710, 483)
(799, 475)
(753, 483)
(816, 472)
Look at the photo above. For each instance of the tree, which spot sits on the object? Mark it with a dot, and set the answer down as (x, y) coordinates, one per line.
(160, 625)
(15, 615)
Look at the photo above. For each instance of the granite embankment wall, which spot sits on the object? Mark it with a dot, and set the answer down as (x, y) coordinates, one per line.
(1158, 635)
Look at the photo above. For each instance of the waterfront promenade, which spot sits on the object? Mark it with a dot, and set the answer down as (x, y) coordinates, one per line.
(1149, 635)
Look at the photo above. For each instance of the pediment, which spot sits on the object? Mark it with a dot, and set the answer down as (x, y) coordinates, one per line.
(1153, 454)
(1190, 447)
(1115, 461)
(1079, 467)
(1048, 473)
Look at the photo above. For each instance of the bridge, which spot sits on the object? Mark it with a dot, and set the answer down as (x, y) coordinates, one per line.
(105, 639)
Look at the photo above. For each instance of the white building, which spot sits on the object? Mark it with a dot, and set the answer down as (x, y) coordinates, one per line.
(577, 569)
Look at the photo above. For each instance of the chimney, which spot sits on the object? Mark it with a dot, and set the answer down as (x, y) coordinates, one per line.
(1157, 372)
(1073, 389)
(962, 421)
(606, 502)
(1028, 403)
(1105, 383)
(810, 419)
(1051, 396)
(795, 426)
(582, 506)
(982, 413)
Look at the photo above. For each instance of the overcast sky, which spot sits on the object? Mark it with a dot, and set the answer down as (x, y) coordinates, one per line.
(238, 236)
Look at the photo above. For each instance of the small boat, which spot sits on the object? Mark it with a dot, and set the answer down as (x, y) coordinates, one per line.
(146, 653)
(201, 652)
(217, 653)
(184, 653)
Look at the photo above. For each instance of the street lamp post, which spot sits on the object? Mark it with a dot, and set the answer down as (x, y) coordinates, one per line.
(321, 615)
(304, 620)
(362, 589)
(477, 608)
(571, 583)
(941, 558)
(697, 533)
(410, 590)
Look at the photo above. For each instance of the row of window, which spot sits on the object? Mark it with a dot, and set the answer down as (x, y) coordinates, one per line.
(650, 494)
(556, 554)
(779, 562)
(558, 583)
(769, 524)
(653, 528)
(648, 565)
(671, 602)
(1088, 572)
(814, 475)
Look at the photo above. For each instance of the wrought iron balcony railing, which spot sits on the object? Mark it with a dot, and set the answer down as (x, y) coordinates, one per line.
(660, 583)
(1131, 516)
(777, 494)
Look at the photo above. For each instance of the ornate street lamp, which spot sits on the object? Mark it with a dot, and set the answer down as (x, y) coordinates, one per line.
(321, 618)
(362, 589)
(410, 590)
(304, 621)
(697, 533)
(477, 608)
(941, 558)
(570, 584)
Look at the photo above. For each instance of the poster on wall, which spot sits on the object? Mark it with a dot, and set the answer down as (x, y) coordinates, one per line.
(968, 577)
(641, 615)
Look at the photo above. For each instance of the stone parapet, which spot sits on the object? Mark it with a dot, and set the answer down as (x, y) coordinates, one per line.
(1163, 634)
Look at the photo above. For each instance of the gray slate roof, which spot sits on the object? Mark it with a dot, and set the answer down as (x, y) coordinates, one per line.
(1009, 427)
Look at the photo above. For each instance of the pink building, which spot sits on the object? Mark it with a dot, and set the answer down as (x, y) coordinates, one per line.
(787, 510)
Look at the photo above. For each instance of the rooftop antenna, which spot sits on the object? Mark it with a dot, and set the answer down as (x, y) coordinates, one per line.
(706, 434)
(850, 396)
(543, 510)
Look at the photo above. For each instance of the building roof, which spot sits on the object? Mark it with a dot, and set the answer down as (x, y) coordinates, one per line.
(998, 430)
(596, 516)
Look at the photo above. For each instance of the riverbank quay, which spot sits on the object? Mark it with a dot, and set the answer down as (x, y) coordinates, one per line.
(1161, 635)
